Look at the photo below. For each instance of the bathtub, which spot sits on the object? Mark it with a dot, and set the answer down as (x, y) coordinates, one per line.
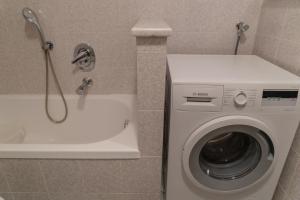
(98, 127)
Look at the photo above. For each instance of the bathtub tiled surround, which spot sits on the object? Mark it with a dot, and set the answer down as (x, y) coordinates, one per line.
(278, 40)
(139, 179)
(105, 25)
(80, 179)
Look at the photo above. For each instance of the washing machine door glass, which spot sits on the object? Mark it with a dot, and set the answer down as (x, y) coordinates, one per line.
(231, 157)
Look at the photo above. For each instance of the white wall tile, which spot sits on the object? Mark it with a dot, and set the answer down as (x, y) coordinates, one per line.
(151, 69)
(62, 176)
(106, 26)
(23, 175)
(150, 131)
(277, 41)
(141, 176)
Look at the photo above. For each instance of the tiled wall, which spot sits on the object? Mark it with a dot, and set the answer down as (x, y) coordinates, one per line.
(278, 40)
(24, 179)
(67, 23)
(80, 179)
(208, 26)
(200, 26)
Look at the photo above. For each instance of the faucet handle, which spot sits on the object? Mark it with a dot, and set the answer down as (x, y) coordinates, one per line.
(84, 57)
(84, 54)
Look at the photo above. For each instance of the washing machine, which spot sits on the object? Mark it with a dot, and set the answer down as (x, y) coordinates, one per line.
(229, 124)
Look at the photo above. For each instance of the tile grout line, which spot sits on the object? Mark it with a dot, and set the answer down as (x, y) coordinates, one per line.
(44, 179)
(81, 175)
(8, 184)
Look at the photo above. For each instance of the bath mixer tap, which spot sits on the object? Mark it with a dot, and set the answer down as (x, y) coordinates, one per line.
(83, 88)
(84, 57)
(84, 54)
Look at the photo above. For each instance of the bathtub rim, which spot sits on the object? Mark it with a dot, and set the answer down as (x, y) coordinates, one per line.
(122, 146)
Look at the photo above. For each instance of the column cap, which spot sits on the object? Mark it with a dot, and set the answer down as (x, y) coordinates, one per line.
(151, 28)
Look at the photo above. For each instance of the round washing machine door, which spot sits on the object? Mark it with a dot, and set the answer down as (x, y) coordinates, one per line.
(229, 153)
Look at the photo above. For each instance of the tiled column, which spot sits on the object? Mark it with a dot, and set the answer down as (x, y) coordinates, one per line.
(151, 70)
(151, 39)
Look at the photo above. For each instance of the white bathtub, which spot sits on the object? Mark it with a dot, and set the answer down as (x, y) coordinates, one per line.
(98, 127)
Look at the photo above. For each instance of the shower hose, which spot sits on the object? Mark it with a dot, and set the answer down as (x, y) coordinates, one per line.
(49, 64)
(237, 45)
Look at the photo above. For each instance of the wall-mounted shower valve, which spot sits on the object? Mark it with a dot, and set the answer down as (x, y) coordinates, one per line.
(84, 57)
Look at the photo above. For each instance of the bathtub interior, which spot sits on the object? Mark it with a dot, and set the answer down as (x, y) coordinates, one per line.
(90, 120)
(98, 126)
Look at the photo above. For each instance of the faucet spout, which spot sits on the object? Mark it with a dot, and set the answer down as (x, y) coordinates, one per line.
(83, 88)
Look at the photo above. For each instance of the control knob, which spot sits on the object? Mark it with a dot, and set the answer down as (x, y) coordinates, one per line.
(240, 99)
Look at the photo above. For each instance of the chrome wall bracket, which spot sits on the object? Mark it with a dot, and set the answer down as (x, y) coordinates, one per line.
(84, 57)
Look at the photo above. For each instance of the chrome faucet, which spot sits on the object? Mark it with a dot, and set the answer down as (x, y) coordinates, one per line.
(83, 88)
(84, 54)
(84, 57)
(241, 29)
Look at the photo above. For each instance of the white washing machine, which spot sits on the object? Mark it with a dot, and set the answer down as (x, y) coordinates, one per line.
(230, 122)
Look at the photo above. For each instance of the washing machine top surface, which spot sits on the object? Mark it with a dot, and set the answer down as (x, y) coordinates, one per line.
(216, 69)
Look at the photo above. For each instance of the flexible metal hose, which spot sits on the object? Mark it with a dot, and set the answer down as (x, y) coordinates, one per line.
(49, 63)
(237, 45)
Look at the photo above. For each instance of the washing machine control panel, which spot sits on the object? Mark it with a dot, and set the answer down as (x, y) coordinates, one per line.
(260, 99)
(240, 98)
(216, 98)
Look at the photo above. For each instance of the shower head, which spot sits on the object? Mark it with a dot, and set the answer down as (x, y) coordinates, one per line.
(32, 18)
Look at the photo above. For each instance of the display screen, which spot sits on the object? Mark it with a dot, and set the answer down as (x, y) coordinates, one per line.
(280, 98)
(290, 94)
